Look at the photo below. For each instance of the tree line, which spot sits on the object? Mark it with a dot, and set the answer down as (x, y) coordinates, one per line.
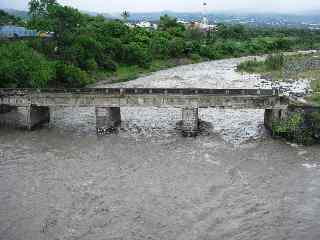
(84, 45)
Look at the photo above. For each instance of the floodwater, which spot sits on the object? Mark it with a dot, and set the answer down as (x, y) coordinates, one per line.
(63, 182)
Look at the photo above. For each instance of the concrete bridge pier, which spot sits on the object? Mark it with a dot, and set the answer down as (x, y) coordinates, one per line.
(107, 119)
(27, 117)
(190, 121)
(274, 115)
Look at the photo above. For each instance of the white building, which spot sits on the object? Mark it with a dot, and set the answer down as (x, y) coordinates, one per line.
(130, 25)
(146, 24)
(203, 26)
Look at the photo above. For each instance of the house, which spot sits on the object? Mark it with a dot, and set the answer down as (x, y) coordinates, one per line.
(145, 24)
(130, 25)
(9, 31)
(204, 26)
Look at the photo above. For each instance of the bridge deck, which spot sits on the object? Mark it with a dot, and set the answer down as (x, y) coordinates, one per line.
(145, 97)
(140, 91)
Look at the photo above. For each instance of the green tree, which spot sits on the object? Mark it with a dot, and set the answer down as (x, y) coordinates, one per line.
(136, 54)
(39, 8)
(71, 76)
(125, 15)
(167, 22)
(21, 66)
(38, 12)
(176, 47)
(6, 19)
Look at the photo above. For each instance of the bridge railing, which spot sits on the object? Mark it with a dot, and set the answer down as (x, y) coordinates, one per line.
(142, 91)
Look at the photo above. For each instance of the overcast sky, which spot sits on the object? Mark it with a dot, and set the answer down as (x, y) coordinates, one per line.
(178, 5)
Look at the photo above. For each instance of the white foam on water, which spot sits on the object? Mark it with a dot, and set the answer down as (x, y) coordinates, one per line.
(308, 165)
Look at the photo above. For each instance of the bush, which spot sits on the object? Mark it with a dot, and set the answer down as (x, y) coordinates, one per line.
(84, 52)
(160, 47)
(294, 129)
(210, 52)
(107, 63)
(282, 44)
(137, 55)
(195, 57)
(275, 62)
(176, 47)
(90, 65)
(250, 66)
(21, 66)
(71, 76)
(272, 63)
(313, 120)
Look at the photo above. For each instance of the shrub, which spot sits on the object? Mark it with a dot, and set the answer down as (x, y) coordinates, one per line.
(84, 52)
(313, 119)
(294, 129)
(21, 66)
(210, 52)
(159, 47)
(72, 76)
(275, 62)
(137, 55)
(250, 66)
(107, 63)
(195, 57)
(176, 47)
(90, 65)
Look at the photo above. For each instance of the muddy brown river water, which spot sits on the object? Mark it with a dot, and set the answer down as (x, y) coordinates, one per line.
(148, 182)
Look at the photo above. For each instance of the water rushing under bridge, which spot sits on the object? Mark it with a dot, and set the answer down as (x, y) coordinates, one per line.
(31, 106)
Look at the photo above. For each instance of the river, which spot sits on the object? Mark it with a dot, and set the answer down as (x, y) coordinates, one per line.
(148, 182)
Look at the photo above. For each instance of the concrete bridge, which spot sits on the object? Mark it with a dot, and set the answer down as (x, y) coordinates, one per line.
(29, 107)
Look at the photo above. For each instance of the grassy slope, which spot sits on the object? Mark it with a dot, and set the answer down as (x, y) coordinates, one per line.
(261, 67)
(126, 73)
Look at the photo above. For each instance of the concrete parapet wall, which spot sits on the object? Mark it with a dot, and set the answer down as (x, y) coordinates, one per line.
(178, 98)
(141, 91)
(15, 117)
(5, 108)
(166, 101)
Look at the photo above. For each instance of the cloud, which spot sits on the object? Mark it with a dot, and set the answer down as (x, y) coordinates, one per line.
(178, 5)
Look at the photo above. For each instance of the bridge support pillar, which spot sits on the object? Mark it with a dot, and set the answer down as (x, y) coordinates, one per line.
(274, 115)
(190, 121)
(107, 119)
(27, 117)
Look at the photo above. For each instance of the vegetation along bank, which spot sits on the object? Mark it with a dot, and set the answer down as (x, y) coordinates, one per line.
(302, 121)
(84, 49)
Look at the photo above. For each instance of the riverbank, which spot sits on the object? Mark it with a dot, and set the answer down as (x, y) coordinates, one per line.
(125, 73)
(301, 121)
(285, 69)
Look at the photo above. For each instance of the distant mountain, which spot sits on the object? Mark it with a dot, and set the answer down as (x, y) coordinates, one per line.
(106, 15)
(17, 13)
(9, 19)
(303, 19)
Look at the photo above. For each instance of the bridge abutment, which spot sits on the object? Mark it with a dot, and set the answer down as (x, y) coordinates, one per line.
(190, 121)
(274, 115)
(27, 117)
(107, 119)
